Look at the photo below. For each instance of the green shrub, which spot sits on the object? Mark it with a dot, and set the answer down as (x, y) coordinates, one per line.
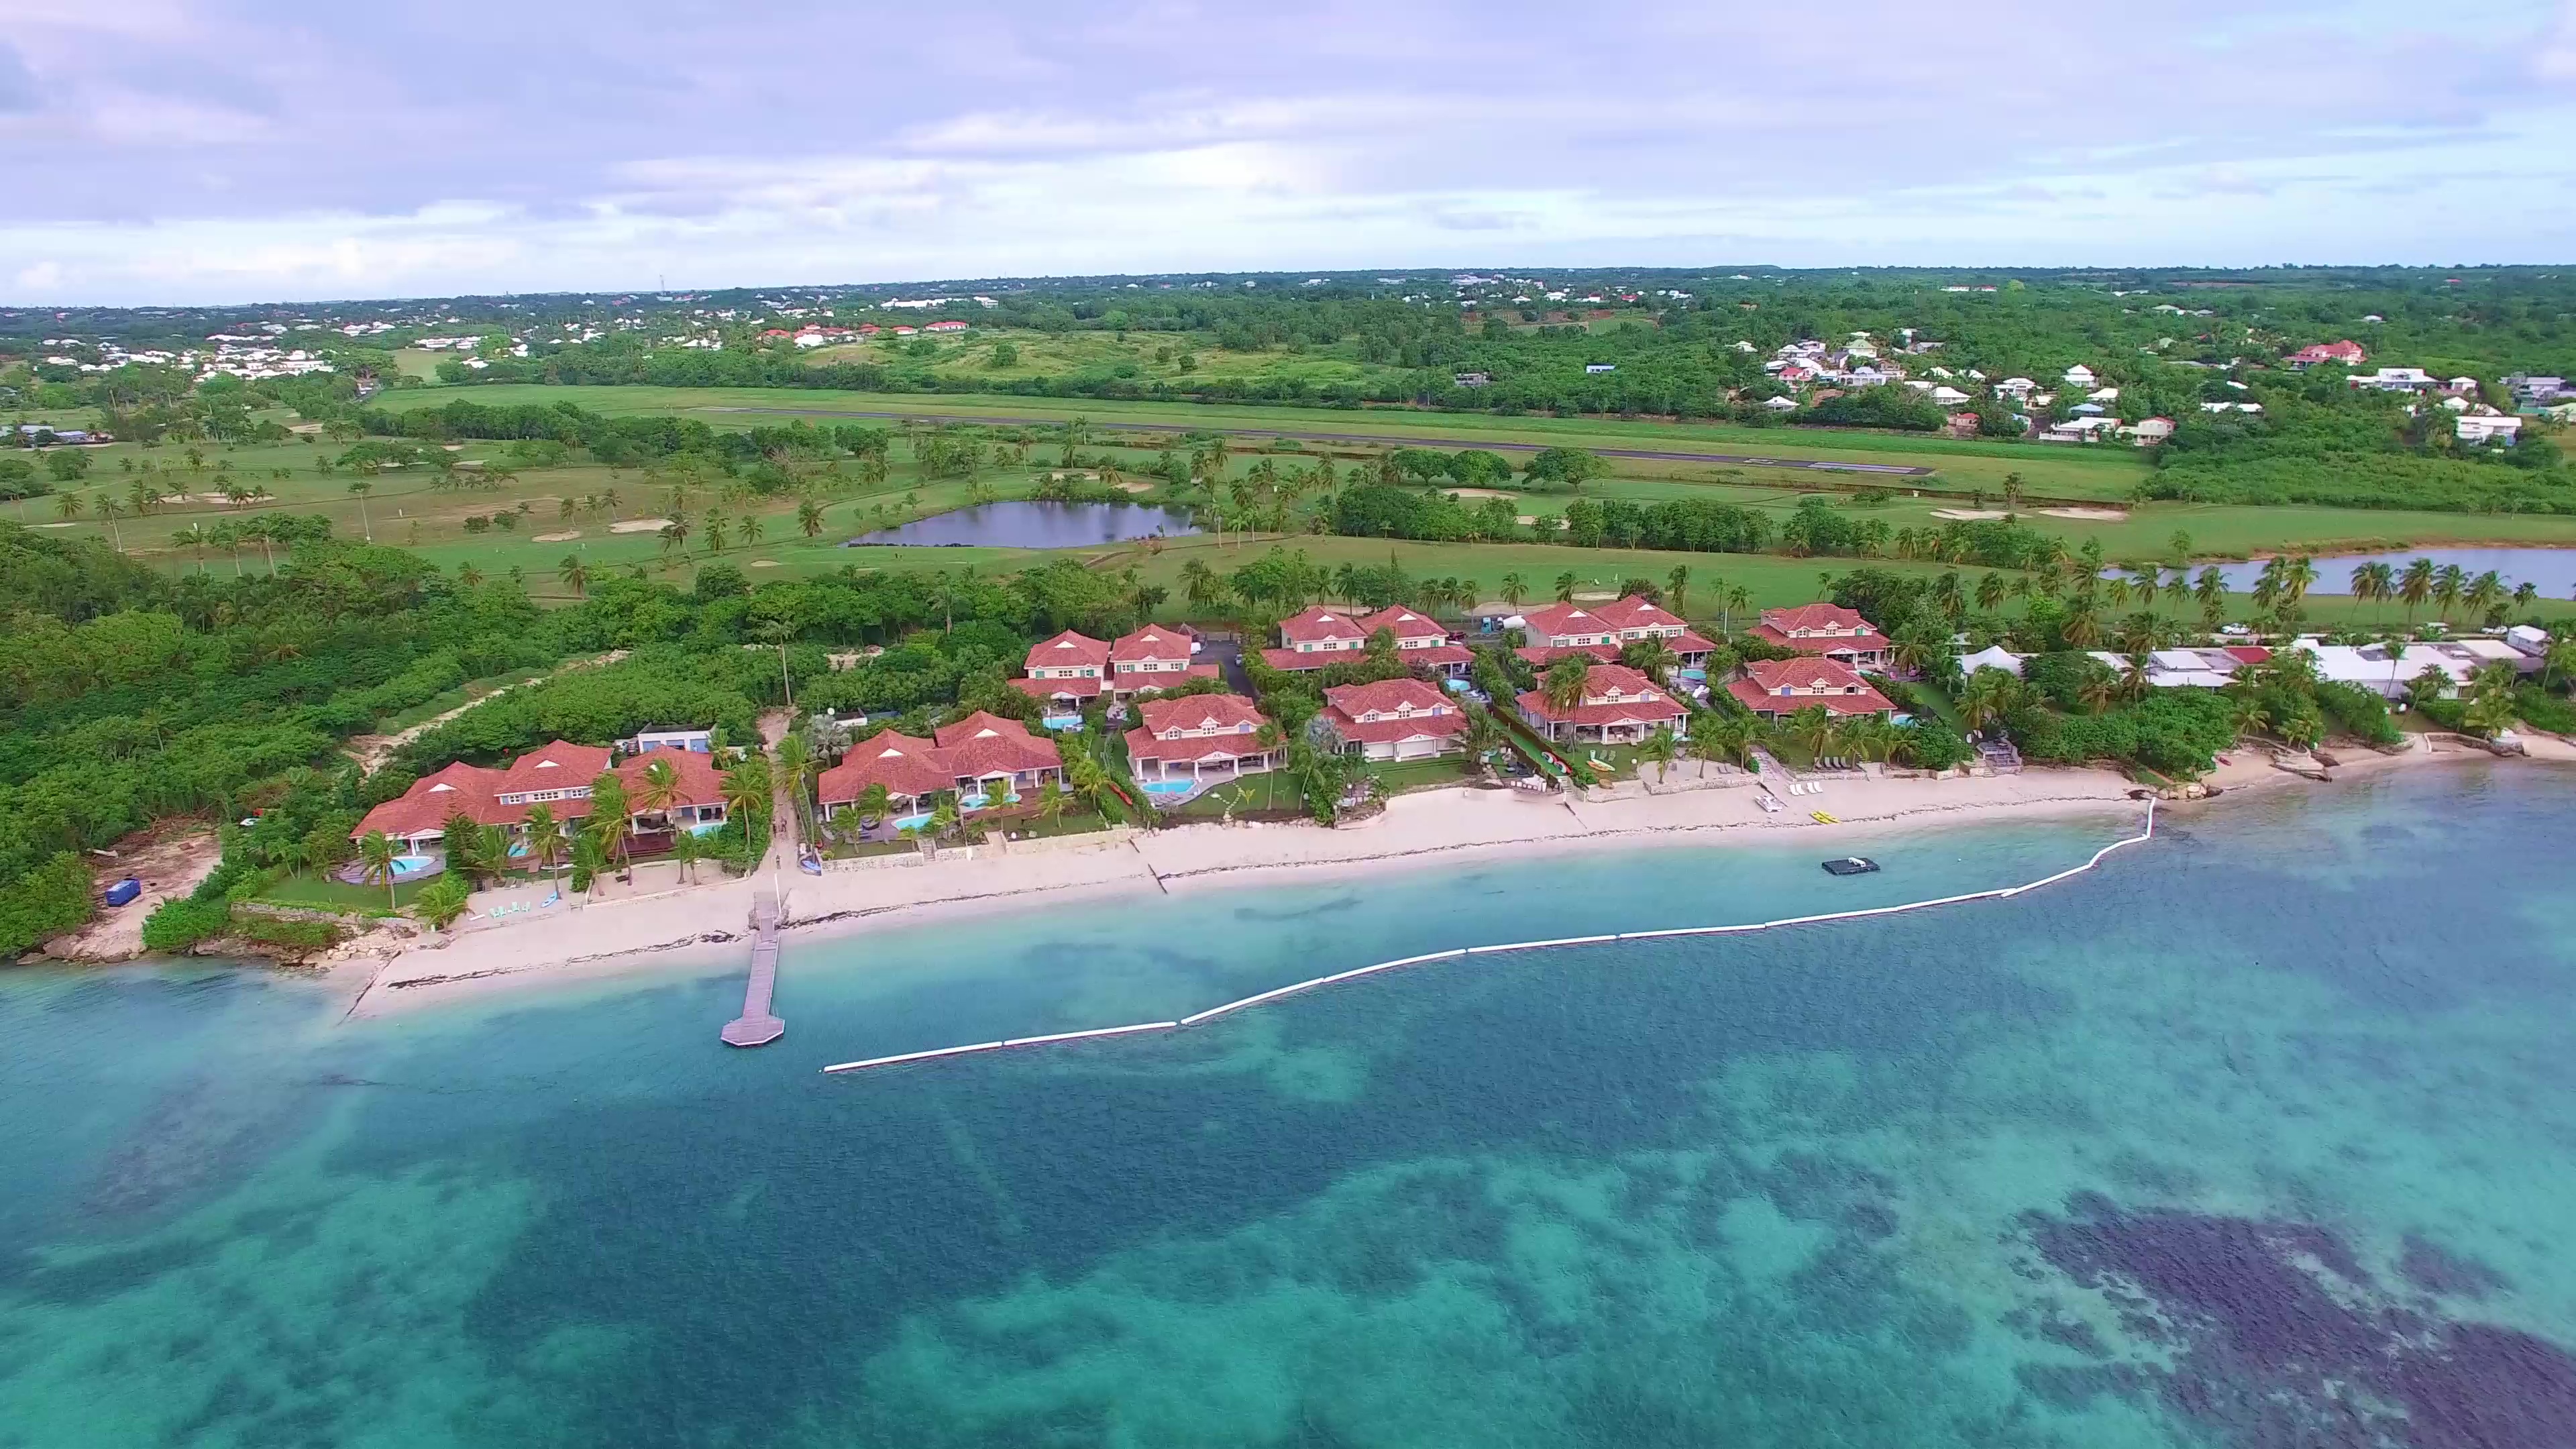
(175, 925)
(47, 901)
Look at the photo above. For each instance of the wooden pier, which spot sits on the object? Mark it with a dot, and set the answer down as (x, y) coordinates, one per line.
(756, 1026)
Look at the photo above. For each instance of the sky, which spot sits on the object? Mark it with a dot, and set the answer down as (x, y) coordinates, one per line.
(203, 151)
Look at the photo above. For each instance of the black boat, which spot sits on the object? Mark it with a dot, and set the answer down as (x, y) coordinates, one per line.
(1851, 865)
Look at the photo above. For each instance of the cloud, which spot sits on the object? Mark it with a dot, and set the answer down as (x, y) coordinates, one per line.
(608, 145)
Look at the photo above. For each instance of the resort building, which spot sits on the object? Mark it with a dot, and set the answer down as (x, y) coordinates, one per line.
(1198, 735)
(559, 777)
(1773, 688)
(1394, 719)
(1418, 641)
(1600, 631)
(1829, 630)
(1154, 657)
(1314, 637)
(1619, 705)
(1067, 671)
(986, 759)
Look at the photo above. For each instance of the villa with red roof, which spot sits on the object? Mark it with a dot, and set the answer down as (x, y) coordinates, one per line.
(1600, 631)
(2347, 352)
(1067, 671)
(1198, 734)
(1156, 656)
(1395, 719)
(1831, 630)
(981, 755)
(1619, 706)
(558, 776)
(1418, 640)
(1314, 637)
(1773, 688)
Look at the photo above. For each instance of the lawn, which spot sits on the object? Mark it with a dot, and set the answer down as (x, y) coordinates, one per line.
(311, 890)
(1399, 776)
(1270, 791)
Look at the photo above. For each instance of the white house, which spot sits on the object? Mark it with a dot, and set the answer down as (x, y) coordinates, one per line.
(2488, 427)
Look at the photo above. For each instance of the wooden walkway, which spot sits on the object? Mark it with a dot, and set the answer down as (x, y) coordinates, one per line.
(756, 1026)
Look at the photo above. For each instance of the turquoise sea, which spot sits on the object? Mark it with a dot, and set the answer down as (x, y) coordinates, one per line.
(2263, 1134)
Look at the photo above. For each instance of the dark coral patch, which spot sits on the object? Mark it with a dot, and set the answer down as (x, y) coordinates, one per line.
(2286, 1340)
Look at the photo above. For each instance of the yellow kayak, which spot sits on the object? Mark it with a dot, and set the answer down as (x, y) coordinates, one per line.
(1822, 818)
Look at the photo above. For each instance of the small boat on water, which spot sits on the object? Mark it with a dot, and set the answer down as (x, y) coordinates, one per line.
(1851, 865)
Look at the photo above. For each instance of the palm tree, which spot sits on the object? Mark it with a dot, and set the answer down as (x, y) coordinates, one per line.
(441, 902)
(359, 488)
(661, 789)
(809, 517)
(376, 855)
(2097, 691)
(575, 575)
(2560, 662)
(686, 851)
(1652, 657)
(2415, 586)
(1514, 590)
(2144, 580)
(2485, 593)
(876, 800)
(1990, 592)
(68, 507)
(469, 576)
(2366, 582)
(1717, 737)
(109, 510)
(1989, 693)
(2251, 718)
(1565, 679)
(2296, 576)
(795, 768)
(1660, 747)
(610, 814)
(1565, 588)
(2133, 675)
(778, 632)
(1051, 802)
(1815, 729)
(714, 532)
(1677, 586)
(545, 838)
(674, 536)
(1739, 600)
(589, 859)
(750, 528)
(747, 795)
(194, 538)
(2449, 582)
(944, 815)
(2081, 629)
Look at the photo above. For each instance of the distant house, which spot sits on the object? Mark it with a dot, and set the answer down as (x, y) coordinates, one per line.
(558, 776)
(981, 756)
(948, 326)
(2396, 379)
(1827, 630)
(2531, 391)
(1948, 397)
(1618, 706)
(1198, 734)
(2147, 432)
(2489, 426)
(1965, 425)
(1600, 631)
(1600, 367)
(1781, 404)
(1773, 688)
(2347, 352)
(1066, 672)
(1395, 719)
(1472, 379)
(2079, 376)
(645, 741)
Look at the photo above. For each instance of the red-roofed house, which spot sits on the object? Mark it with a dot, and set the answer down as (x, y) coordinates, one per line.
(1154, 657)
(1314, 637)
(981, 756)
(2348, 353)
(952, 325)
(557, 776)
(1619, 705)
(1776, 687)
(1418, 640)
(1602, 630)
(1197, 734)
(1068, 670)
(697, 800)
(1395, 719)
(1831, 630)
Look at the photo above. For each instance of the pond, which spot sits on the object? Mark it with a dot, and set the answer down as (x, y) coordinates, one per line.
(1035, 525)
(2551, 570)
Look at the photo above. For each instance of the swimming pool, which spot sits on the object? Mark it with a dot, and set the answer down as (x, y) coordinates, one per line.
(1170, 787)
(706, 827)
(407, 866)
(911, 822)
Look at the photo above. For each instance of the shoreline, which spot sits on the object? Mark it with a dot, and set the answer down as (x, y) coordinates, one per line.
(1424, 829)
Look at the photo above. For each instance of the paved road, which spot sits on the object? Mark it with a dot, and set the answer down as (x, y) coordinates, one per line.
(1656, 455)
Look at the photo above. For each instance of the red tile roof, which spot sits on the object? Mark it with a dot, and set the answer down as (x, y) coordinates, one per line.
(1639, 700)
(1147, 681)
(1154, 641)
(695, 777)
(1557, 620)
(1765, 678)
(1404, 623)
(985, 744)
(904, 765)
(1816, 616)
(1871, 643)
(1543, 656)
(1636, 611)
(424, 807)
(1069, 650)
(1317, 623)
(1049, 689)
(1407, 709)
(1143, 746)
(558, 766)
(1198, 712)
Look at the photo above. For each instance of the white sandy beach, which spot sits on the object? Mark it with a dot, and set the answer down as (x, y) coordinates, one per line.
(571, 941)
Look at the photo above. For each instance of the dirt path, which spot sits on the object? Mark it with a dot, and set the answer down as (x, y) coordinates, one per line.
(171, 859)
(371, 751)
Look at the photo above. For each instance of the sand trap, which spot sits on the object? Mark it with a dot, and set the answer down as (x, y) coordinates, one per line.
(1970, 515)
(1479, 493)
(1137, 487)
(764, 563)
(565, 537)
(2100, 515)
(1596, 597)
(640, 525)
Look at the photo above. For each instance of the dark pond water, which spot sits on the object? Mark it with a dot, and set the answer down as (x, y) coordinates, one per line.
(2551, 570)
(1036, 525)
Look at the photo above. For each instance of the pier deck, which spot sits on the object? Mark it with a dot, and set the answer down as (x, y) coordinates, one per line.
(757, 1026)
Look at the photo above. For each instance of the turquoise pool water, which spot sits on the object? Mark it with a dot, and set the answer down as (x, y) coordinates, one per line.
(1168, 787)
(2219, 1145)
